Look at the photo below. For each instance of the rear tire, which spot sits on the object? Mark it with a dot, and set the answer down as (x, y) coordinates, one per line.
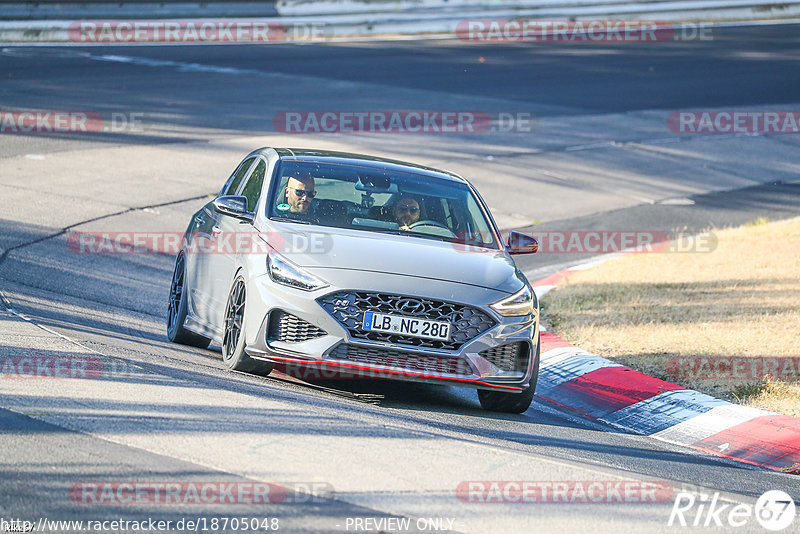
(178, 308)
(233, 345)
(498, 401)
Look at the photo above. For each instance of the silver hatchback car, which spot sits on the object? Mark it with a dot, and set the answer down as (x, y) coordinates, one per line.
(370, 266)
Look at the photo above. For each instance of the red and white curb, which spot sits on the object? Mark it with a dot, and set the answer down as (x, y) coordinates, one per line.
(601, 390)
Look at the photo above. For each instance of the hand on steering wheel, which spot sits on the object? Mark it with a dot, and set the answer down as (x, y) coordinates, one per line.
(427, 222)
(435, 224)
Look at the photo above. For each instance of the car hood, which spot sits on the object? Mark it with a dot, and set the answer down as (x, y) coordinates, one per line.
(325, 250)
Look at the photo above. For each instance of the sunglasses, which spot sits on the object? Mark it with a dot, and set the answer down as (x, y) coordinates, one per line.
(303, 192)
(410, 209)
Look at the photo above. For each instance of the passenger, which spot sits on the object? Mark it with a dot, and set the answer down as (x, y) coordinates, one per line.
(406, 212)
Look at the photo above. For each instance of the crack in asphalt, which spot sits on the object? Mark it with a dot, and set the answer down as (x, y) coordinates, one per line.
(6, 301)
(66, 229)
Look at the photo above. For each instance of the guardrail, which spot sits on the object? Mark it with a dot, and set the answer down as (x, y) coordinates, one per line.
(54, 22)
(133, 9)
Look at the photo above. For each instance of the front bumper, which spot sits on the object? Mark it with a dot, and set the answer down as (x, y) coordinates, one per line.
(330, 347)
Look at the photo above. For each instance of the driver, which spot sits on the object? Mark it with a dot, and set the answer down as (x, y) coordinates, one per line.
(406, 212)
(300, 194)
(299, 205)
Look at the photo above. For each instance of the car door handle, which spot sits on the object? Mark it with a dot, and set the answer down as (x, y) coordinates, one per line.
(199, 219)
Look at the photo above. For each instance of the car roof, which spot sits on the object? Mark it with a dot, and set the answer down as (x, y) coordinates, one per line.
(330, 156)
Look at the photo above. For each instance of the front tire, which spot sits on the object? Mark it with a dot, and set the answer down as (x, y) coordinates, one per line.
(233, 345)
(498, 401)
(178, 309)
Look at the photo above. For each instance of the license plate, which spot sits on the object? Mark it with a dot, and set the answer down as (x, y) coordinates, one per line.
(407, 326)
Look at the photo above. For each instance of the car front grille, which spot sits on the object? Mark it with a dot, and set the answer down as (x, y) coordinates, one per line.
(348, 308)
(511, 357)
(402, 360)
(290, 328)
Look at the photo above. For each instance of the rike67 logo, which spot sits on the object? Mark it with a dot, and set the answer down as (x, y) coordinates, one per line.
(774, 510)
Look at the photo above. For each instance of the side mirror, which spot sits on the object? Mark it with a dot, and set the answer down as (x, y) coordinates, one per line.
(521, 243)
(233, 206)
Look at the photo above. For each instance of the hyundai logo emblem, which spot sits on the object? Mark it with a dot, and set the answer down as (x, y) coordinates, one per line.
(410, 306)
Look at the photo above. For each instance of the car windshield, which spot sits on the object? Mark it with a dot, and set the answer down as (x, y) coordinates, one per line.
(379, 200)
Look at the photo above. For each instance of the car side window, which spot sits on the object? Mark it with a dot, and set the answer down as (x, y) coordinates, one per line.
(252, 189)
(235, 180)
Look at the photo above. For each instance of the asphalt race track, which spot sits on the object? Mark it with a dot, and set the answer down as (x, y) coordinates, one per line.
(589, 147)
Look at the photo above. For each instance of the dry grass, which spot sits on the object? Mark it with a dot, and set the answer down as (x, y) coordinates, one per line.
(741, 300)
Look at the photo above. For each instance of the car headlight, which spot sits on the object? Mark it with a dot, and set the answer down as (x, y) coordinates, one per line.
(285, 272)
(520, 303)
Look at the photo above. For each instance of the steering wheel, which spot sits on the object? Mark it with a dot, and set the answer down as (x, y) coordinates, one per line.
(434, 224)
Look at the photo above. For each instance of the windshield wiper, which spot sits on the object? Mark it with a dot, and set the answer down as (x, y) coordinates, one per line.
(289, 219)
(385, 230)
(411, 233)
